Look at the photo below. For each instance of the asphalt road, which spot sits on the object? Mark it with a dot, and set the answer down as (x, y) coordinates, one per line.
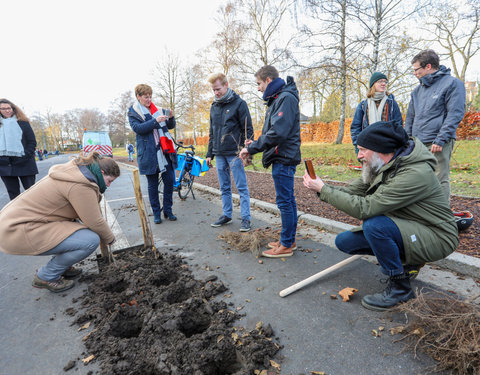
(318, 333)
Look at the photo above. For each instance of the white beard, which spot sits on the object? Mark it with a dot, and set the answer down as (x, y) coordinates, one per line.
(370, 168)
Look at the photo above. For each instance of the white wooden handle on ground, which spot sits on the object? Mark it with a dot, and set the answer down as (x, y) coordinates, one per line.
(311, 279)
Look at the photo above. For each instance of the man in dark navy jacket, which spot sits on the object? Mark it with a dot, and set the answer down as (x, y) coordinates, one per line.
(280, 143)
(230, 123)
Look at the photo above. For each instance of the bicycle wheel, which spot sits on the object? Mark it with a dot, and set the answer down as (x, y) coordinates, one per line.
(186, 184)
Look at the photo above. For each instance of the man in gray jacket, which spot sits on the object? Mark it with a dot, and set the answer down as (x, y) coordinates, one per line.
(436, 108)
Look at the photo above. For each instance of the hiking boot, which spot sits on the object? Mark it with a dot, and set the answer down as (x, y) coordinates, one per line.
(223, 220)
(157, 219)
(170, 216)
(278, 252)
(55, 286)
(245, 227)
(412, 270)
(398, 290)
(72, 272)
(273, 245)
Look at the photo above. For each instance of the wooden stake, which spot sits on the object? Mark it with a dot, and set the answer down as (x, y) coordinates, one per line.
(147, 234)
(311, 279)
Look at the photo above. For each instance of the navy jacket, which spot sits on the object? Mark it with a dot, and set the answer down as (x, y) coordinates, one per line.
(436, 108)
(21, 165)
(280, 139)
(360, 119)
(227, 127)
(146, 148)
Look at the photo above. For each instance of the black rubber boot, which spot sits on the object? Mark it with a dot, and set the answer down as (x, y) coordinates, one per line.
(398, 290)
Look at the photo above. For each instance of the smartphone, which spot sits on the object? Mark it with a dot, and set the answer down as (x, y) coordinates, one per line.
(309, 169)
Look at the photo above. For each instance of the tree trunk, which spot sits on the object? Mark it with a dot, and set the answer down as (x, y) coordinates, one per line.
(378, 25)
(343, 77)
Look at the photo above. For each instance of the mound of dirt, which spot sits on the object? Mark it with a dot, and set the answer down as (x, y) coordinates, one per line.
(151, 316)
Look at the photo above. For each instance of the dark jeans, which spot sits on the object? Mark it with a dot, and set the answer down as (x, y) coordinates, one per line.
(283, 177)
(380, 237)
(12, 184)
(168, 178)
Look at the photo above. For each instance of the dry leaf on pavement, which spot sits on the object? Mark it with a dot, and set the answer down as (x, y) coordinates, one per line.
(345, 293)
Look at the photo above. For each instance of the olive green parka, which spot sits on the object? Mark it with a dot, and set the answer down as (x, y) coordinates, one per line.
(407, 191)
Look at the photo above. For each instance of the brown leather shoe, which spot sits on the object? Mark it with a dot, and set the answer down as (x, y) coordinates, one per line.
(279, 252)
(273, 245)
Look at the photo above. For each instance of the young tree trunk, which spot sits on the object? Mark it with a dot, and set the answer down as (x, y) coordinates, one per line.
(343, 78)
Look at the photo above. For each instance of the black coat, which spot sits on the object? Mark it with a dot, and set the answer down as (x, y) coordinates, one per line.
(21, 165)
(280, 139)
(227, 127)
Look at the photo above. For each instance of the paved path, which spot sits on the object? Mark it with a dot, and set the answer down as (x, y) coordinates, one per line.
(318, 333)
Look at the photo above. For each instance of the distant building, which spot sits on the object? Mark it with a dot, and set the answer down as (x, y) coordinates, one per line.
(304, 119)
(472, 90)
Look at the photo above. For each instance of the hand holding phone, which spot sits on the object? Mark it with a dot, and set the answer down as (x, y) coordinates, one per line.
(309, 169)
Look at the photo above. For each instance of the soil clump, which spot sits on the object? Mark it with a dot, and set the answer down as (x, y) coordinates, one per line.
(152, 317)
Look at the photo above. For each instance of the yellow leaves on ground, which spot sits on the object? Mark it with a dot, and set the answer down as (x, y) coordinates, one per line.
(345, 293)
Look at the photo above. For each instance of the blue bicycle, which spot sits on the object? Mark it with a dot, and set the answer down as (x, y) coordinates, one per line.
(189, 166)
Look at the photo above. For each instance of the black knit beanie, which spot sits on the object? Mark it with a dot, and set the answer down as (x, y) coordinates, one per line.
(375, 77)
(383, 137)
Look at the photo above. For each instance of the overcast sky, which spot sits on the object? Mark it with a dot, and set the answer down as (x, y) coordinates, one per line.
(65, 54)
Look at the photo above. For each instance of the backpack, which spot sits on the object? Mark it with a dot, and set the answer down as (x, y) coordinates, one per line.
(130, 147)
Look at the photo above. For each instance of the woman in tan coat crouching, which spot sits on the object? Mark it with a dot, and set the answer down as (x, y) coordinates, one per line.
(60, 216)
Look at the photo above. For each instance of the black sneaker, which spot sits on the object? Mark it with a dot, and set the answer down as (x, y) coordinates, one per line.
(223, 220)
(245, 226)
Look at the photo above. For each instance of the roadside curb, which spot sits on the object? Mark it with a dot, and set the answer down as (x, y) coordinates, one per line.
(460, 263)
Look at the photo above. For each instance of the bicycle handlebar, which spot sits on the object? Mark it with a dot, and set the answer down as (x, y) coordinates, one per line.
(192, 147)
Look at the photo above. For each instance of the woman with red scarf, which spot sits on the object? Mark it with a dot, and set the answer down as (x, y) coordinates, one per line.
(154, 156)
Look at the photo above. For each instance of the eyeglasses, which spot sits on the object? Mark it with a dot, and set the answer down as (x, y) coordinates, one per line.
(382, 81)
(415, 69)
(6, 109)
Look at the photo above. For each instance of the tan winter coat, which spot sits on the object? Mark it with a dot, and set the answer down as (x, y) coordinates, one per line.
(46, 214)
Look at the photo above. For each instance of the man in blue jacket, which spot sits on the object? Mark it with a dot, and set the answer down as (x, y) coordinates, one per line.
(436, 108)
(280, 143)
(230, 123)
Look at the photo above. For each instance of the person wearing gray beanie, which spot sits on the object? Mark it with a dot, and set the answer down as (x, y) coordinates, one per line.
(379, 105)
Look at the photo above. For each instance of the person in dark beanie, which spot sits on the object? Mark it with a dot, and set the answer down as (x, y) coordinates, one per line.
(379, 105)
(406, 218)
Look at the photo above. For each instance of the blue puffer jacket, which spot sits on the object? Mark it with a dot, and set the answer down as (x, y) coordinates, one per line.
(146, 148)
(360, 119)
(280, 139)
(227, 127)
(436, 108)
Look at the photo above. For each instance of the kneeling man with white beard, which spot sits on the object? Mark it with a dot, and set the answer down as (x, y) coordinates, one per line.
(407, 220)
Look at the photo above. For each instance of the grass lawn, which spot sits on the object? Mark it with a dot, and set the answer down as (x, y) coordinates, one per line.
(331, 162)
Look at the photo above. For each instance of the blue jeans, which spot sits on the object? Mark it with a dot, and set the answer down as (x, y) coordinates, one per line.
(283, 178)
(71, 250)
(224, 164)
(380, 237)
(168, 178)
(130, 156)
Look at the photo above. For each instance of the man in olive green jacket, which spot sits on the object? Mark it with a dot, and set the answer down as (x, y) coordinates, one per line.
(407, 220)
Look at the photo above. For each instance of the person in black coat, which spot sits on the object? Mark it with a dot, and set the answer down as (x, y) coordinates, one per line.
(17, 149)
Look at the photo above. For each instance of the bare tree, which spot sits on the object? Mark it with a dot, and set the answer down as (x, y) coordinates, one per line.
(167, 84)
(456, 26)
(118, 119)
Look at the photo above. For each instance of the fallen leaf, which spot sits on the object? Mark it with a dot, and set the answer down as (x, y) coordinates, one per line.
(87, 360)
(375, 333)
(85, 338)
(258, 326)
(250, 278)
(234, 336)
(333, 296)
(418, 332)
(397, 330)
(248, 300)
(220, 338)
(274, 364)
(260, 288)
(381, 328)
(282, 259)
(85, 326)
(345, 293)
(239, 308)
(317, 373)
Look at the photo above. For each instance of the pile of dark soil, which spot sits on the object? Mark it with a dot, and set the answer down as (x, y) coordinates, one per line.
(151, 317)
